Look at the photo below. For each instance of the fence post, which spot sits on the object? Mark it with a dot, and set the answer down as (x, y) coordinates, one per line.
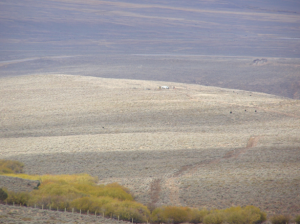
(65, 209)
(72, 210)
(95, 213)
(118, 218)
(103, 214)
(80, 211)
(42, 207)
(13, 203)
(132, 220)
(50, 207)
(34, 205)
(87, 212)
(57, 208)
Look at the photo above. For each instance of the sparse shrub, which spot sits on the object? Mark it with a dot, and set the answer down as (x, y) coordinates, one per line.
(280, 219)
(3, 195)
(10, 166)
(297, 219)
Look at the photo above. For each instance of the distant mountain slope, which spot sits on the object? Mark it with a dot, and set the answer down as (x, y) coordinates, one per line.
(278, 76)
(239, 28)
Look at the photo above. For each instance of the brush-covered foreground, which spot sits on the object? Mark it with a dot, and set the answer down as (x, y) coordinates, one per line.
(80, 194)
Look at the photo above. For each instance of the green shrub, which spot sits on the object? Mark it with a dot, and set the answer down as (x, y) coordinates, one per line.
(297, 219)
(280, 219)
(18, 198)
(3, 195)
(10, 166)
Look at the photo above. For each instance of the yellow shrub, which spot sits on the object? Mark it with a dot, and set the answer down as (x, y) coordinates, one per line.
(280, 219)
(114, 191)
(197, 216)
(171, 214)
(92, 204)
(126, 210)
(215, 217)
(10, 166)
(131, 209)
(75, 178)
(18, 198)
(236, 215)
(297, 219)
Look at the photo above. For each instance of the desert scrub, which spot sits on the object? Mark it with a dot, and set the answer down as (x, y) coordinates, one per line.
(280, 219)
(10, 166)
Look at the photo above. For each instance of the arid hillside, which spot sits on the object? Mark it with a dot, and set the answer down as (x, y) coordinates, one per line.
(189, 145)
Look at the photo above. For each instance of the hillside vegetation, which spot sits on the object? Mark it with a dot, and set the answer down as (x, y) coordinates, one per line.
(188, 146)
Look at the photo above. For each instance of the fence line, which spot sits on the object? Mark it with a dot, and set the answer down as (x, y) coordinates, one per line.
(65, 210)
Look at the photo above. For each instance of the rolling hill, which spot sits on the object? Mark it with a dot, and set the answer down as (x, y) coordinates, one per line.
(191, 145)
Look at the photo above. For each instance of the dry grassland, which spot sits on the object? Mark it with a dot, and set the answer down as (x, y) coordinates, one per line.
(179, 146)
